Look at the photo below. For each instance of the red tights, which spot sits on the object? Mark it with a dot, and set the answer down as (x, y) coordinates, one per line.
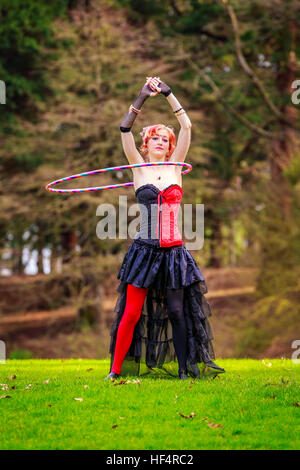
(134, 304)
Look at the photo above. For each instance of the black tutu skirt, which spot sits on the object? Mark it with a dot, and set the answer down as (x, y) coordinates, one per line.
(152, 350)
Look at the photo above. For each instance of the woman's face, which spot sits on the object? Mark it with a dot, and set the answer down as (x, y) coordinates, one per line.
(158, 144)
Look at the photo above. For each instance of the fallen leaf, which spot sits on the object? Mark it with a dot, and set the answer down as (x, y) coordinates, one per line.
(46, 381)
(89, 370)
(78, 399)
(213, 425)
(295, 403)
(175, 398)
(121, 382)
(192, 415)
(273, 396)
(86, 386)
(12, 377)
(121, 417)
(114, 426)
(136, 381)
(217, 376)
(5, 396)
(50, 406)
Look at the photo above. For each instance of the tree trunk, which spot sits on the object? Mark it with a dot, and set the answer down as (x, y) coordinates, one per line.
(53, 258)
(69, 242)
(18, 267)
(283, 150)
(232, 246)
(40, 246)
(215, 240)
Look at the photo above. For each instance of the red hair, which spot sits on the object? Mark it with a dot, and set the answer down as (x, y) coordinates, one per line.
(150, 131)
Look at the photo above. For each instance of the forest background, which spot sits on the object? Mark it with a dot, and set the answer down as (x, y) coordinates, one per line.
(69, 70)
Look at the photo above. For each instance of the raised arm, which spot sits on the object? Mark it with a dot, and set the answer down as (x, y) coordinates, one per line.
(128, 143)
(184, 137)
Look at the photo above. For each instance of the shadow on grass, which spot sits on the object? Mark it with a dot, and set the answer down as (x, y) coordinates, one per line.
(167, 372)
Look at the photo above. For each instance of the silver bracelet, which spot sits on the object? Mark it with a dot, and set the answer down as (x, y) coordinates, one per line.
(134, 110)
(180, 113)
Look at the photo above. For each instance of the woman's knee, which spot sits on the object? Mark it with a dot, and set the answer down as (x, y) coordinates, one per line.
(175, 305)
(134, 303)
(132, 313)
(176, 315)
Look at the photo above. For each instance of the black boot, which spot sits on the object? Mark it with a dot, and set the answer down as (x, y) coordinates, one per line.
(214, 366)
(193, 370)
(183, 375)
(112, 376)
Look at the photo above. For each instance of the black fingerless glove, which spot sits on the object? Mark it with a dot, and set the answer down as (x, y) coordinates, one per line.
(165, 89)
(130, 117)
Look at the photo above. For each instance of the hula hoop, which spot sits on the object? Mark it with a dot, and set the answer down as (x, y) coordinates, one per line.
(111, 186)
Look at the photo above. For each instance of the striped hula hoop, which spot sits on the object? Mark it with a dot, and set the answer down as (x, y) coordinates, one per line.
(103, 170)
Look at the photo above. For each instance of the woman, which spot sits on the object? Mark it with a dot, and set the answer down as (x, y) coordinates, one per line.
(161, 312)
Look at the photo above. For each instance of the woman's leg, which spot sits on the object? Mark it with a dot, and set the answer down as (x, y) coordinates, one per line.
(134, 303)
(176, 315)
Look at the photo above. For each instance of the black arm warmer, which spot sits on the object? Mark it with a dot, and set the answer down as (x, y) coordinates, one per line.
(128, 120)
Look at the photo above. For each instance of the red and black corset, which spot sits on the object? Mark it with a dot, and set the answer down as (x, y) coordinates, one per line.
(159, 215)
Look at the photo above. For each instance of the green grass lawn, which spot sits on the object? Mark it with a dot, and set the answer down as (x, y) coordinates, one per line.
(255, 405)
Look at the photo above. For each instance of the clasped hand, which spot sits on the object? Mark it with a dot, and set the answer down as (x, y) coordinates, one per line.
(156, 85)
